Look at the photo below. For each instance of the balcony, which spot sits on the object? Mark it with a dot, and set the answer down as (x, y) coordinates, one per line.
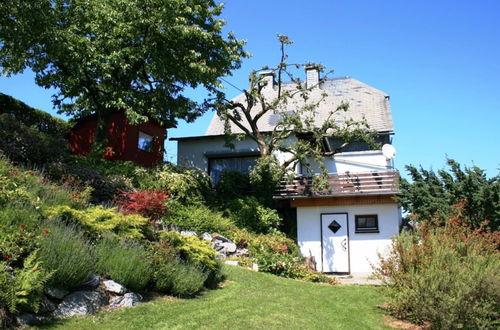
(349, 184)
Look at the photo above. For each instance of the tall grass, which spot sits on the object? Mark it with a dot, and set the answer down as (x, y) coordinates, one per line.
(125, 261)
(65, 250)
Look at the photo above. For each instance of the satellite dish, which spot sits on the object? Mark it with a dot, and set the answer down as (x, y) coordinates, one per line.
(389, 151)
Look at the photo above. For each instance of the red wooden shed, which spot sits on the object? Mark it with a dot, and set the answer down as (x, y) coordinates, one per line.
(142, 144)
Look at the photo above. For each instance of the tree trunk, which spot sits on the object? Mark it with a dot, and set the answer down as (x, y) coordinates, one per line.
(101, 132)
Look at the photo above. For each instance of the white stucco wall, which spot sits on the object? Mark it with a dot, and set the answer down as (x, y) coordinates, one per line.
(192, 152)
(363, 247)
(355, 162)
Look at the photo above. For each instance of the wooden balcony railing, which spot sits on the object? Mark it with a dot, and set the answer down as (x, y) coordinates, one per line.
(343, 184)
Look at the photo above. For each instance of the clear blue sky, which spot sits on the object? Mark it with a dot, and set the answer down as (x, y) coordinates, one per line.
(438, 60)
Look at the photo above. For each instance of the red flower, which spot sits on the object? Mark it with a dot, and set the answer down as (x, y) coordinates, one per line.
(75, 196)
(14, 173)
(22, 227)
(7, 256)
(46, 232)
(31, 173)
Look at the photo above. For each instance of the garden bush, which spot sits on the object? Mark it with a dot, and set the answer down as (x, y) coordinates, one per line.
(197, 252)
(18, 232)
(124, 261)
(34, 118)
(148, 203)
(97, 220)
(173, 275)
(447, 276)
(233, 184)
(184, 184)
(249, 213)
(28, 146)
(279, 255)
(65, 251)
(197, 217)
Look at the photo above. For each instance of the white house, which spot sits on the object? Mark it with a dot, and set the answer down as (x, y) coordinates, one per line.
(343, 228)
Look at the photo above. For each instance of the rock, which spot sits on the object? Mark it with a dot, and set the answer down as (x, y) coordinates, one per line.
(221, 238)
(56, 293)
(113, 287)
(206, 237)
(81, 303)
(46, 305)
(188, 233)
(227, 247)
(30, 319)
(232, 262)
(242, 252)
(255, 267)
(127, 300)
(93, 281)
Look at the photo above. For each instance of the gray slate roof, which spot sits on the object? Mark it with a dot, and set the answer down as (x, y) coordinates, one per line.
(364, 102)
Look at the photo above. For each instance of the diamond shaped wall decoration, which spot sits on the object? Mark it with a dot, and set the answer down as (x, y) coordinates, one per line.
(334, 226)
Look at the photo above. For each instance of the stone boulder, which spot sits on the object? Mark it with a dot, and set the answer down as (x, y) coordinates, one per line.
(81, 303)
(113, 287)
(127, 300)
(27, 319)
(56, 293)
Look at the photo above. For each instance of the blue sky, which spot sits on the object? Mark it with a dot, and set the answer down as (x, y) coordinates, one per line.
(438, 60)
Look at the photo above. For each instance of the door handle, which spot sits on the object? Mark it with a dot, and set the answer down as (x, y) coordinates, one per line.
(344, 244)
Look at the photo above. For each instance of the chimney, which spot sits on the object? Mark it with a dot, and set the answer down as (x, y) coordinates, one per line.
(312, 76)
(267, 79)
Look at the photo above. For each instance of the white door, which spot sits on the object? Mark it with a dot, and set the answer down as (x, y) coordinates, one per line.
(335, 243)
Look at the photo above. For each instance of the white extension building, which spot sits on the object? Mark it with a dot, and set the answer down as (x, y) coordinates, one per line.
(345, 227)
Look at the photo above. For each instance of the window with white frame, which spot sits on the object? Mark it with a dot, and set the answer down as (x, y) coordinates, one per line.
(145, 142)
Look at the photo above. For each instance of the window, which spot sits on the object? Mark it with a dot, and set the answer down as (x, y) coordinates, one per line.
(239, 164)
(366, 224)
(145, 142)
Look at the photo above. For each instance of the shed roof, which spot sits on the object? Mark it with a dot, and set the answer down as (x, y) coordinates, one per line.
(364, 102)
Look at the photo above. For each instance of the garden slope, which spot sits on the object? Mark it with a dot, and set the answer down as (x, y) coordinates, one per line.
(250, 300)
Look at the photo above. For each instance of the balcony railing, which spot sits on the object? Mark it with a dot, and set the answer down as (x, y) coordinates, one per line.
(368, 183)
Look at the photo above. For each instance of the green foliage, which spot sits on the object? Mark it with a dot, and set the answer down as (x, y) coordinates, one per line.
(249, 213)
(39, 120)
(432, 195)
(233, 184)
(124, 261)
(26, 145)
(196, 252)
(76, 174)
(447, 276)
(18, 232)
(174, 276)
(118, 54)
(197, 217)
(22, 287)
(265, 177)
(279, 255)
(98, 220)
(187, 185)
(65, 251)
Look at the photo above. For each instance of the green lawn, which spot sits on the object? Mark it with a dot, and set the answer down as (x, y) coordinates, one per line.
(250, 300)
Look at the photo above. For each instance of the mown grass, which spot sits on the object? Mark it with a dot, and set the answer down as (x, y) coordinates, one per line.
(249, 300)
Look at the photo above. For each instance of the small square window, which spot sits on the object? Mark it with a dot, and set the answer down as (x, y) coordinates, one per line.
(366, 223)
(145, 142)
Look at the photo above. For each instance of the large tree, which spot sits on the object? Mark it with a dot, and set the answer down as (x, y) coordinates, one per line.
(137, 56)
(293, 103)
